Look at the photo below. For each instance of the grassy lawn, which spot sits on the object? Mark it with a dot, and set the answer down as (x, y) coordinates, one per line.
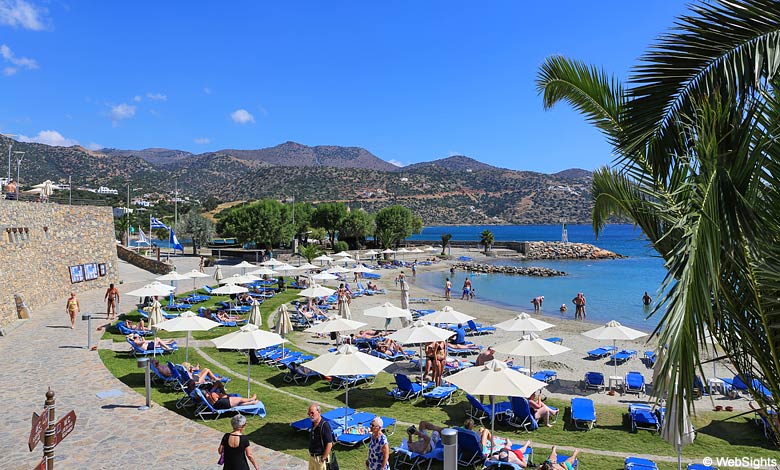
(719, 434)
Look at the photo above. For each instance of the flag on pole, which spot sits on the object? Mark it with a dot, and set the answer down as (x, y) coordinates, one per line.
(154, 223)
(175, 242)
(142, 237)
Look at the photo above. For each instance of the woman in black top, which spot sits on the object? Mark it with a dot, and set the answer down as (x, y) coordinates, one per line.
(235, 447)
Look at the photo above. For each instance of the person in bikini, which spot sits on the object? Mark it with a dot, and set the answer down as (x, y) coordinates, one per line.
(220, 400)
(552, 462)
(72, 307)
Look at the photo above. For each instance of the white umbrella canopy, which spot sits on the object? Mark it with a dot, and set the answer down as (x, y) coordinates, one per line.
(263, 272)
(495, 378)
(173, 276)
(230, 289)
(430, 248)
(316, 291)
(323, 258)
(344, 310)
(324, 276)
(187, 321)
(271, 262)
(246, 338)
(416, 250)
(244, 264)
(524, 322)
(402, 250)
(388, 310)
(155, 315)
(161, 285)
(149, 291)
(337, 270)
(283, 325)
(335, 324)
(448, 315)
(370, 253)
(615, 331)
(343, 254)
(286, 269)
(531, 346)
(361, 269)
(307, 267)
(239, 279)
(255, 318)
(388, 251)
(195, 273)
(347, 360)
(677, 428)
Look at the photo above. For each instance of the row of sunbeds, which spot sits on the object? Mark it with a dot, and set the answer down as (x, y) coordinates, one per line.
(350, 427)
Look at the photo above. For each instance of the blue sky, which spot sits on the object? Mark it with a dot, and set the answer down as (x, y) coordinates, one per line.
(410, 81)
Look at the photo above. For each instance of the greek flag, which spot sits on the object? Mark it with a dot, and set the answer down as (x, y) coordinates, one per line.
(175, 242)
(142, 237)
(154, 223)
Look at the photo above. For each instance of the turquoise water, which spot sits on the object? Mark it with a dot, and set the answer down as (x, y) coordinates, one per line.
(613, 288)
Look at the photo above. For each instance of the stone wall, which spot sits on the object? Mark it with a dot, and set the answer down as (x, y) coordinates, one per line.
(38, 244)
(151, 265)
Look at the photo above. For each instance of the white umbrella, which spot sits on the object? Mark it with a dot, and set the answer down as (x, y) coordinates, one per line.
(524, 322)
(344, 310)
(335, 324)
(677, 428)
(263, 272)
(361, 269)
(255, 318)
(195, 274)
(402, 250)
(614, 331)
(495, 378)
(230, 289)
(34, 191)
(370, 253)
(155, 315)
(344, 254)
(337, 270)
(347, 361)
(271, 262)
(316, 291)
(243, 265)
(323, 258)
(388, 311)
(531, 346)
(420, 333)
(448, 315)
(404, 296)
(283, 326)
(173, 276)
(286, 269)
(388, 251)
(218, 274)
(187, 321)
(324, 276)
(239, 279)
(161, 285)
(430, 248)
(246, 338)
(416, 250)
(149, 291)
(307, 267)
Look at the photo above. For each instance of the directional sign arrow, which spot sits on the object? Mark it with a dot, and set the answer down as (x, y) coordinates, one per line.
(39, 424)
(64, 427)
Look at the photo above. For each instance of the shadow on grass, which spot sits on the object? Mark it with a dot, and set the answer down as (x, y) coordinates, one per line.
(279, 436)
(737, 431)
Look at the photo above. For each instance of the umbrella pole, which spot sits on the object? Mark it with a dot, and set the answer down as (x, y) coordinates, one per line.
(422, 376)
(248, 373)
(187, 349)
(346, 388)
(492, 422)
(679, 458)
(614, 345)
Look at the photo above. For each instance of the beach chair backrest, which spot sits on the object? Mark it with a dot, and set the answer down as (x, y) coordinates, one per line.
(469, 446)
(522, 411)
(476, 404)
(403, 382)
(205, 401)
(594, 378)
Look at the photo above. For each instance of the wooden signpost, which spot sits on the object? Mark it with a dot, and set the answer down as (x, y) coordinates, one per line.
(44, 428)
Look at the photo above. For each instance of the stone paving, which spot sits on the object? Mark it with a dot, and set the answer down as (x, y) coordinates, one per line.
(110, 433)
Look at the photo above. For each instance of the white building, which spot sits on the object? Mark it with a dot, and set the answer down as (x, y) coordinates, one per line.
(105, 190)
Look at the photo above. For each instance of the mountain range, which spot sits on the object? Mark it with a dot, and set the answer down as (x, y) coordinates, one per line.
(452, 190)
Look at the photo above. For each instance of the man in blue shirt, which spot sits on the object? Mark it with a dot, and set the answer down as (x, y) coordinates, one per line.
(460, 335)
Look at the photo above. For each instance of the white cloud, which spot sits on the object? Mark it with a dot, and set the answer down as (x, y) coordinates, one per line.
(121, 111)
(207, 90)
(20, 14)
(242, 116)
(137, 98)
(453, 153)
(396, 162)
(202, 140)
(156, 96)
(94, 146)
(16, 62)
(53, 138)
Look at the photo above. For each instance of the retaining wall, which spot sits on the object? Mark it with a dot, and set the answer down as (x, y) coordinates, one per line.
(38, 245)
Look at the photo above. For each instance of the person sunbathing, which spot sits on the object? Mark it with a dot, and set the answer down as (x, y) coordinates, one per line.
(371, 286)
(220, 400)
(368, 334)
(552, 462)
(225, 318)
(136, 326)
(388, 346)
(139, 341)
(541, 410)
(198, 375)
(497, 448)
(424, 442)
(163, 369)
(462, 346)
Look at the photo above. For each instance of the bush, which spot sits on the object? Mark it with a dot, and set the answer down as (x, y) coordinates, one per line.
(209, 261)
(340, 246)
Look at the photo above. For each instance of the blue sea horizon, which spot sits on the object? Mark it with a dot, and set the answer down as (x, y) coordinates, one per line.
(613, 288)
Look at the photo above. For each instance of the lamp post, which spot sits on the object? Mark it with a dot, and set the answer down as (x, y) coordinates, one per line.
(127, 215)
(10, 146)
(20, 156)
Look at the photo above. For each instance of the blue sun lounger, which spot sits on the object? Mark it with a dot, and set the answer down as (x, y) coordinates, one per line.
(206, 409)
(555, 340)
(583, 413)
(522, 416)
(594, 380)
(643, 416)
(139, 351)
(406, 389)
(603, 351)
(650, 358)
(406, 458)
(635, 383)
(548, 376)
(636, 463)
(440, 395)
(622, 356)
(479, 411)
(123, 329)
(699, 466)
(528, 456)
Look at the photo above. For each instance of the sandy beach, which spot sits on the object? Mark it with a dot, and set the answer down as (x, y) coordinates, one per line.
(570, 366)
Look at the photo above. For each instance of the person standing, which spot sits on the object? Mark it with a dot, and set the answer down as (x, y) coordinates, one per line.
(448, 289)
(646, 299)
(535, 302)
(378, 447)
(234, 448)
(202, 263)
(111, 298)
(579, 306)
(344, 299)
(72, 307)
(320, 439)
(466, 290)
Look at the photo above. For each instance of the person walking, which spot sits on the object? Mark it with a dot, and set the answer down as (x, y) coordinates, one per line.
(73, 308)
(378, 447)
(234, 449)
(201, 264)
(112, 299)
(448, 289)
(320, 439)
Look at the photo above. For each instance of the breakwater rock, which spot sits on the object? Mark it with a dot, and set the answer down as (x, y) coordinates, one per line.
(519, 270)
(560, 250)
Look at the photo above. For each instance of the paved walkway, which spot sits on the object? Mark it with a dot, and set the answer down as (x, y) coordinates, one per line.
(110, 433)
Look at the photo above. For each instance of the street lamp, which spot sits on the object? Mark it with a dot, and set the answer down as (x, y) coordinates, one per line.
(10, 146)
(20, 156)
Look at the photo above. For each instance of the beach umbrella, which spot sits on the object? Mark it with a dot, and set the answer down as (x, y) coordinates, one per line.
(430, 248)
(419, 333)
(230, 289)
(530, 346)
(336, 324)
(402, 251)
(271, 263)
(370, 253)
(448, 315)
(324, 276)
(255, 318)
(347, 361)
(150, 291)
(524, 322)
(361, 269)
(388, 251)
(155, 315)
(323, 258)
(677, 428)
(194, 274)
(218, 274)
(416, 250)
(248, 337)
(173, 276)
(264, 271)
(388, 311)
(243, 265)
(337, 270)
(187, 321)
(161, 285)
(614, 331)
(239, 279)
(317, 290)
(307, 267)
(283, 325)
(343, 254)
(495, 378)
(286, 269)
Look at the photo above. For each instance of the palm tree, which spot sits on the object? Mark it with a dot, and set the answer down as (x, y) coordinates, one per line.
(310, 251)
(486, 238)
(445, 241)
(698, 170)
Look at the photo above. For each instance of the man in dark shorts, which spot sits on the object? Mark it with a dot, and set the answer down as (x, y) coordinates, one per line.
(111, 298)
(320, 439)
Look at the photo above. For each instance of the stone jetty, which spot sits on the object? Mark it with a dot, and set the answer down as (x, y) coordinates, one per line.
(560, 250)
(519, 270)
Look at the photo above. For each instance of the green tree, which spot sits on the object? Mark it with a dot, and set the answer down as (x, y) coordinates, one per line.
(394, 224)
(445, 242)
(319, 234)
(355, 227)
(263, 222)
(698, 170)
(121, 224)
(329, 215)
(302, 217)
(310, 251)
(486, 238)
(196, 227)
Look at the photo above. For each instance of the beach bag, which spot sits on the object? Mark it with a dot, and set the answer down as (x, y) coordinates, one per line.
(332, 463)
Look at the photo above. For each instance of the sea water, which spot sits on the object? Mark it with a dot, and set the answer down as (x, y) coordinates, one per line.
(613, 288)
